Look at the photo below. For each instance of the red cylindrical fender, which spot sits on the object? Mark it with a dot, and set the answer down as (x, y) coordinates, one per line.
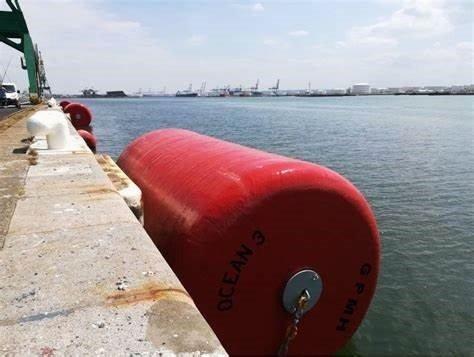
(81, 116)
(236, 223)
(89, 138)
(88, 128)
(64, 103)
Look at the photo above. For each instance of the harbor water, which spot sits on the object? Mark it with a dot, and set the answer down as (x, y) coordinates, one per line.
(413, 159)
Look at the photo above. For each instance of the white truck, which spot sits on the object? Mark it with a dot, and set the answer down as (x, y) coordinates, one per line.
(9, 95)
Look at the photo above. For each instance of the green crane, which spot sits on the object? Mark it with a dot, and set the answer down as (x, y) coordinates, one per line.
(14, 32)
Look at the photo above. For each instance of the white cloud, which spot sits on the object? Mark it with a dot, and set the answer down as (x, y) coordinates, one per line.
(419, 17)
(254, 8)
(196, 40)
(437, 55)
(415, 19)
(465, 46)
(359, 36)
(298, 33)
(258, 7)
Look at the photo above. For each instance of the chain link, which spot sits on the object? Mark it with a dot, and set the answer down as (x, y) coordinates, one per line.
(292, 329)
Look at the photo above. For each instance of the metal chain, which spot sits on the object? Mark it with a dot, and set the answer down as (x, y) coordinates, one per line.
(292, 329)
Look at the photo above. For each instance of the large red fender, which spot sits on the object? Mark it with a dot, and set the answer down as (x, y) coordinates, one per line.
(81, 116)
(242, 229)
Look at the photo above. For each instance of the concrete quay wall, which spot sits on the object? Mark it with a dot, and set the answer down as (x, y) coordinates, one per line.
(78, 273)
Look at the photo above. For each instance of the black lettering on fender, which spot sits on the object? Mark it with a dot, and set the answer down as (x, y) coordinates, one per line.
(360, 288)
(342, 324)
(365, 269)
(229, 280)
(351, 302)
(258, 237)
(350, 306)
(237, 265)
(242, 254)
(224, 294)
(224, 305)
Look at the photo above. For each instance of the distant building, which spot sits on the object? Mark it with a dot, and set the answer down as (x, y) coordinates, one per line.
(422, 91)
(89, 93)
(462, 89)
(436, 88)
(360, 89)
(411, 89)
(392, 90)
(378, 90)
(116, 94)
(336, 91)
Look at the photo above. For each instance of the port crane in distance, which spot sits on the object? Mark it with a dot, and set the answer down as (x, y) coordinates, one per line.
(275, 88)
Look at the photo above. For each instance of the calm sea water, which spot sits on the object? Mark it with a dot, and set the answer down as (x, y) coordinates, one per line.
(412, 157)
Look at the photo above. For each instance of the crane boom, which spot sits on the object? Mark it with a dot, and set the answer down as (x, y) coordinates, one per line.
(13, 28)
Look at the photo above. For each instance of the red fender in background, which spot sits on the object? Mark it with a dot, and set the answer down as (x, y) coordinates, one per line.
(89, 129)
(64, 103)
(80, 115)
(89, 138)
(236, 223)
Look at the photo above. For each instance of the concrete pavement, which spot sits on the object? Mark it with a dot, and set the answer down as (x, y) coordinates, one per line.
(79, 275)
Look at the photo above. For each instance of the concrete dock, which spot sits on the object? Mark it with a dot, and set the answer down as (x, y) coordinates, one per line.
(78, 273)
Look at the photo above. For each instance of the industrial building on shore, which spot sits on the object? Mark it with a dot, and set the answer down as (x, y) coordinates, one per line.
(360, 89)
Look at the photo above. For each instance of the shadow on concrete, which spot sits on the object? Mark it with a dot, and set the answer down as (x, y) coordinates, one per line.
(22, 150)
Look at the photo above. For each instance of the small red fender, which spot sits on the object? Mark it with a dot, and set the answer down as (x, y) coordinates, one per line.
(81, 116)
(64, 103)
(89, 138)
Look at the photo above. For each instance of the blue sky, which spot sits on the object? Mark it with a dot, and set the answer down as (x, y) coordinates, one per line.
(151, 44)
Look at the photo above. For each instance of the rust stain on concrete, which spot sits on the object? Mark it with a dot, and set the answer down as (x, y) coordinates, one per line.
(150, 291)
(33, 157)
(98, 191)
(47, 351)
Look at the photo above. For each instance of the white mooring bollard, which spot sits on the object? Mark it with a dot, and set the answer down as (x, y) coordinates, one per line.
(52, 103)
(51, 123)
